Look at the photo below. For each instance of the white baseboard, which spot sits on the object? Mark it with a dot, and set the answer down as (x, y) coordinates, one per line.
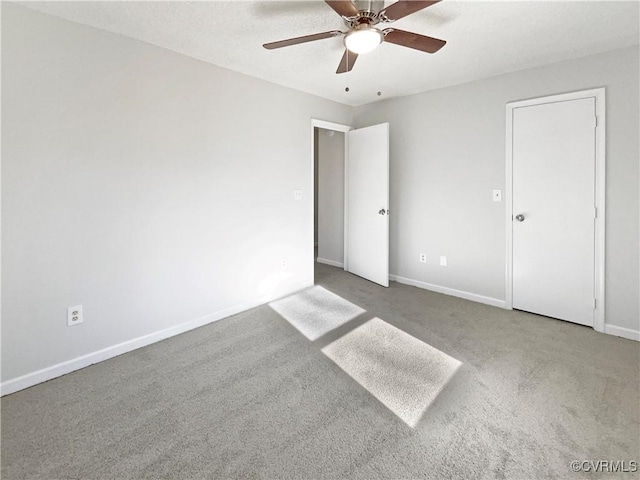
(450, 291)
(54, 371)
(622, 332)
(333, 263)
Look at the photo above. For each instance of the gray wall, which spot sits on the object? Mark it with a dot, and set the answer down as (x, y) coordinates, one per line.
(448, 153)
(330, 195)
(149, 187)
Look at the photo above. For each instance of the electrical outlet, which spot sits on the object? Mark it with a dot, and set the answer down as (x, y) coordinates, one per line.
(74, 315)
(423, 258)
(284, 263)
(443, 261)
(297, 194)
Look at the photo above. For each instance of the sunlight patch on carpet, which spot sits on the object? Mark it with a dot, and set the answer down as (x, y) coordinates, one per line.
(404, 373)
(316, 311)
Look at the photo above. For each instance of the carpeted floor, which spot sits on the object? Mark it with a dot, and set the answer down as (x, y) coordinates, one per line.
(515, 396)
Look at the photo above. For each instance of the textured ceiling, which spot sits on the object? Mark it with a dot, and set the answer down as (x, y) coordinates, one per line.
(485, 38)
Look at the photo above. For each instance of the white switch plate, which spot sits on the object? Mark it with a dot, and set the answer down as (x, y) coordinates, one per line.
(297, 194)
(443, 261)
(497, 195)
(423, 258)
(74, 315)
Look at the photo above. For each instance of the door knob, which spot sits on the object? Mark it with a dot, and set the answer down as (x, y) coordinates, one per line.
(382, 212)
(520, 218)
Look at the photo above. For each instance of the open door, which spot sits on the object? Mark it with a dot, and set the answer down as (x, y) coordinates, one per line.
(367, 212)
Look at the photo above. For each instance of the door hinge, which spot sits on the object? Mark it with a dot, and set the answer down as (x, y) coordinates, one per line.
(595, 212)
(595, 122)
(594, 303)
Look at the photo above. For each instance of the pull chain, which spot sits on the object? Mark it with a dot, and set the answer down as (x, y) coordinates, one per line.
(379, 66)
(348, 71)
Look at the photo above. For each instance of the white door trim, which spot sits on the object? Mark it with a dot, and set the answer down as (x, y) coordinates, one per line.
(599, 288)
(338, 127)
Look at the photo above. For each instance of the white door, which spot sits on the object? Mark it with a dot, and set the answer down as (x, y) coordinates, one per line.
(553, 209)
(367, 219)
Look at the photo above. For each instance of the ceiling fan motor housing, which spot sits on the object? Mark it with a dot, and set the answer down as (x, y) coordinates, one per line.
(367, 12)
(369, 6)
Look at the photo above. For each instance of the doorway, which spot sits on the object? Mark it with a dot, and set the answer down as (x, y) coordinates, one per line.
(328, 214)
(555, 207)
(351, 198)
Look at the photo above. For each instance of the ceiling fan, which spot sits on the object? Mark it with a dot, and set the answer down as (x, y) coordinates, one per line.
(361, 17)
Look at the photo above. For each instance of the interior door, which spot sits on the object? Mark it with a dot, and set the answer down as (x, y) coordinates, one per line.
(553, 207)
(367, 219)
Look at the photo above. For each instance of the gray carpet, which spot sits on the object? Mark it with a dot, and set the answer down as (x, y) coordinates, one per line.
(252, 397)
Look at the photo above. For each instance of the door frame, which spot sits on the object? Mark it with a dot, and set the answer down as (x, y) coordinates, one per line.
(338, 127)
(600, 172)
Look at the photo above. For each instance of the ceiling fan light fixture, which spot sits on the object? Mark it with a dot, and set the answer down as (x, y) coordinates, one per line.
(363, 40)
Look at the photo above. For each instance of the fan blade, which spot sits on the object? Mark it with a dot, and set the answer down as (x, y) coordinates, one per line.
(403, 8)
(344, 8)
(413, 40)
(346, 64)
(297, 40)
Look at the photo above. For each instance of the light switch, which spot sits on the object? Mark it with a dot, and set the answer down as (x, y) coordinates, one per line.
(497, 195)
(297, 194)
